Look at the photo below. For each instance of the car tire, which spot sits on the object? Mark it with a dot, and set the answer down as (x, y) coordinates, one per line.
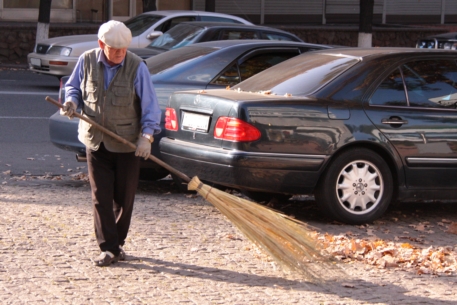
(356, 188)
(153, 174)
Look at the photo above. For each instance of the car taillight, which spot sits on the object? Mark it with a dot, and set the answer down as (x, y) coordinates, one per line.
(233, 129)
(171, 120)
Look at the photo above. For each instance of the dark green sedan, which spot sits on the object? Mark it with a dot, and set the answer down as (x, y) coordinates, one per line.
(356, 128)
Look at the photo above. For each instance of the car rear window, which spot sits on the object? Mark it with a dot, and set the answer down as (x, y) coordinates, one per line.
(300, 75)
(167, 60)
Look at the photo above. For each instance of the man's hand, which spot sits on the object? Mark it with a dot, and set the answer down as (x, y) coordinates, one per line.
(68, 109)
(143, 147)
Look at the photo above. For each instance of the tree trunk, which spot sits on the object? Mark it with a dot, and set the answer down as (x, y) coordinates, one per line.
(44, 17)
(210, 5)
(365, 23)
(149, 5)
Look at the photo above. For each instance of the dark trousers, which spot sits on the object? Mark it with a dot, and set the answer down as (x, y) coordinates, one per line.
(114, 180)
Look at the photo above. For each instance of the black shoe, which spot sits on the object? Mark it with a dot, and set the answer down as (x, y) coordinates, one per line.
(121, 254)
(105, 259)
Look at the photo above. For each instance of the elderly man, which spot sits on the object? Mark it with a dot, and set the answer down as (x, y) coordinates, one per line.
(113, 87)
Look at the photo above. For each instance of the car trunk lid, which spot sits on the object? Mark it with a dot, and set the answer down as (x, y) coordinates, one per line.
(198, 111)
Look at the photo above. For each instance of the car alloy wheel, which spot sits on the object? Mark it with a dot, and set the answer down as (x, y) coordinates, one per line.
(357, 187)
(360, 187)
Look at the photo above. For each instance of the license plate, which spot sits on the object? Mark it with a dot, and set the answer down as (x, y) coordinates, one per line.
(195, 122)
(35, 62)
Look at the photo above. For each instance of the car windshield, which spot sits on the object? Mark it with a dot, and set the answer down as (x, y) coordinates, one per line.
(298, 76)
(141, 23)
(178, 36)
(165, 61)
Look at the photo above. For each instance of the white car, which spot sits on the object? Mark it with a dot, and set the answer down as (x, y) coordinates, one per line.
(58, 56)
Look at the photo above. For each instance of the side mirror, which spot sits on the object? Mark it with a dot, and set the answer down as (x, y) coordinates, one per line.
(154, 35)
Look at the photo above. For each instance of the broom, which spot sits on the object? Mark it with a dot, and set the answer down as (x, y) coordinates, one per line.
(287, 240)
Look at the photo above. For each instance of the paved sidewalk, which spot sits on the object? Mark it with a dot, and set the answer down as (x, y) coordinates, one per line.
(182, 250)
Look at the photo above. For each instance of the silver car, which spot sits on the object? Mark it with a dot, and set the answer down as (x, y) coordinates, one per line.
(58, 56)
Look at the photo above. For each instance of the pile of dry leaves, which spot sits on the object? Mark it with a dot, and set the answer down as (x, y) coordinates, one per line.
(392, 254)
(28, 177)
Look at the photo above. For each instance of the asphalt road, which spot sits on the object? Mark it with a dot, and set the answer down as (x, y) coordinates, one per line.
(25, 147)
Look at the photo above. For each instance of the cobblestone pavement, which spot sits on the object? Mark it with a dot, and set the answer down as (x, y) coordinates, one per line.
(182, 250)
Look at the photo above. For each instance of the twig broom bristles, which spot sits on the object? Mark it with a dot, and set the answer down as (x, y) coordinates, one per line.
(287, 240)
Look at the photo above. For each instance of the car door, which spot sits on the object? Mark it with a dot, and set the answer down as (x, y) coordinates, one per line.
(415, 107)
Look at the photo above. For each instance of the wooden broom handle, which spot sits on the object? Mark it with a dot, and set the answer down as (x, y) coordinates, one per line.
(121, 139)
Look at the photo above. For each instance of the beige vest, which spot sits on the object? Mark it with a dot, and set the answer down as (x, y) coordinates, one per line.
(118, 108)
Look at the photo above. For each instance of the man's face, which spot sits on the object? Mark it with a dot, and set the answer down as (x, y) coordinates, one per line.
(113, 56)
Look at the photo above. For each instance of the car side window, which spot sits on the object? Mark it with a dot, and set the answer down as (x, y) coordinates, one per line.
(230, 77)
(262, 62)
(391, 92)
(251, 66)
(431, 83)
(276, 36)
(237, 34)
(174, 21)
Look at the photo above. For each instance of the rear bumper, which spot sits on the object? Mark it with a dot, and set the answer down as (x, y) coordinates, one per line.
(264, 172)
(63, 133)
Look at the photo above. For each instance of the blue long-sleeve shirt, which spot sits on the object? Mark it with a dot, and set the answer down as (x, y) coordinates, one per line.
(150, 111)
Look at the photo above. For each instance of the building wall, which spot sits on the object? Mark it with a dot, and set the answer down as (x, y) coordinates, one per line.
(257, 11)
(173, 5)
(337, 11)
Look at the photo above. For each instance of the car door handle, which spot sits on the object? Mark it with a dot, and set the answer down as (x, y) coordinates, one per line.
(394, 121)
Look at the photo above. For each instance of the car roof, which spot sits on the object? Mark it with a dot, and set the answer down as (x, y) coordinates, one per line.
(362, 53)
(244, 45)
(230, 25)
(177, 12)
(167, 13)
(256, 42)
(214, 24)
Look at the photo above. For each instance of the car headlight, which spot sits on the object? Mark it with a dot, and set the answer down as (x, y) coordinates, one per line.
(55, 50)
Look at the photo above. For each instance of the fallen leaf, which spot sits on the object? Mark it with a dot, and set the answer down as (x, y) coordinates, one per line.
(452, 228)
(347, 285)
(420, 227)
(232, 237)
